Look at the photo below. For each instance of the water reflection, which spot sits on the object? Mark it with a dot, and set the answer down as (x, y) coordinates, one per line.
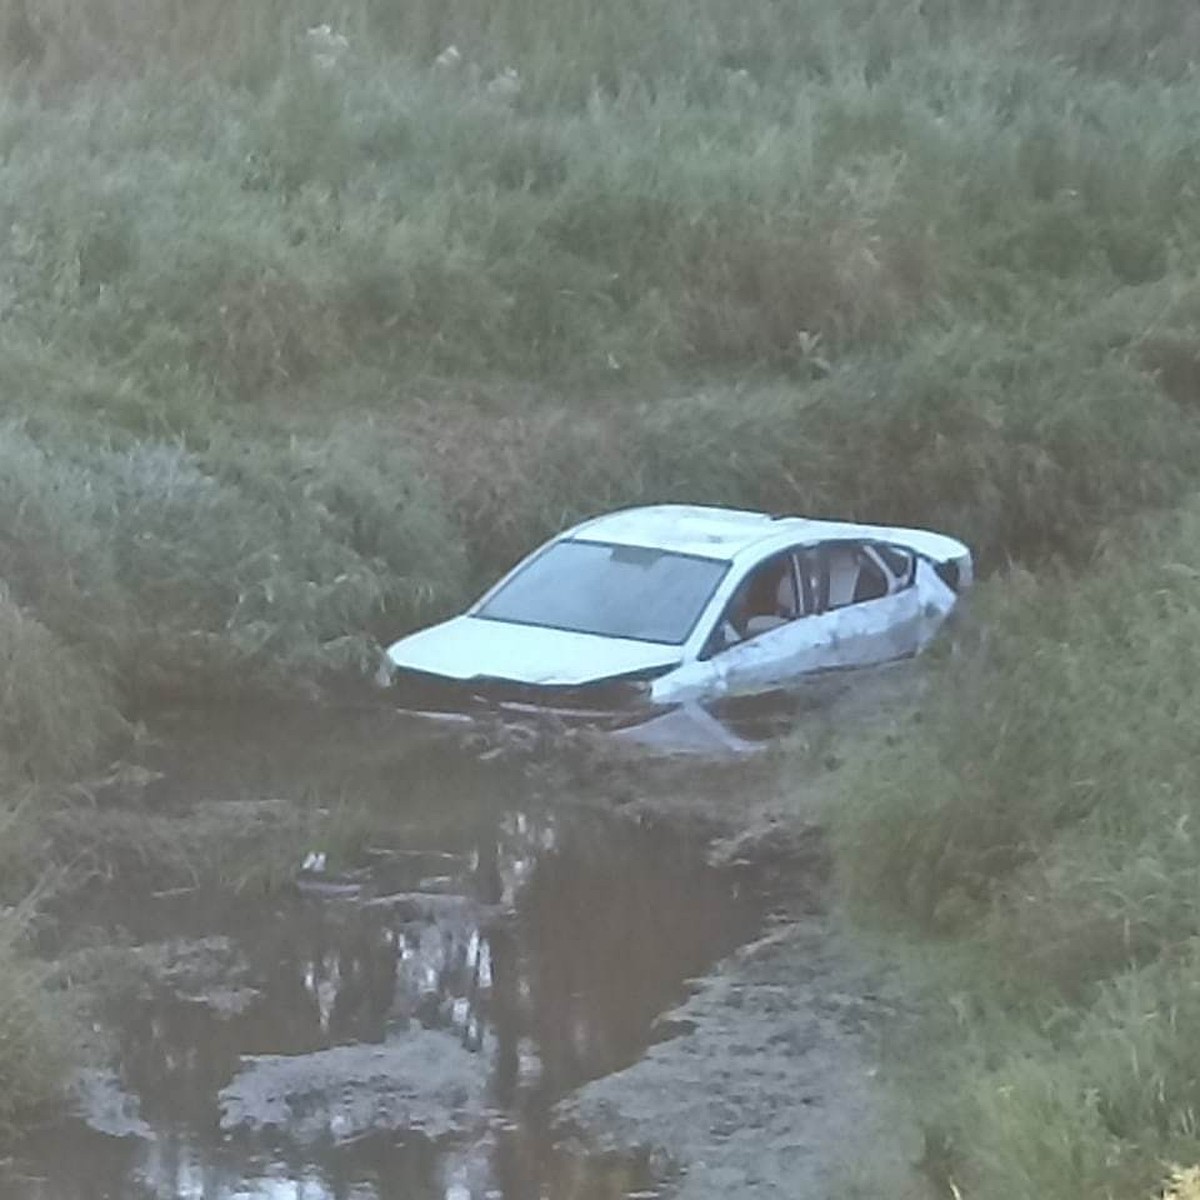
(542, 943)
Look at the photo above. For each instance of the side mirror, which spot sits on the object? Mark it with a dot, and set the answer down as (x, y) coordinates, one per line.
(718, 642)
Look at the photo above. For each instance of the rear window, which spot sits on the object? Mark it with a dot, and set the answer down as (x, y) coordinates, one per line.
(632, 592)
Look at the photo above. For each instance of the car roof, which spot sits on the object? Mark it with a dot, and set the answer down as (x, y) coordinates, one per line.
(726, 533)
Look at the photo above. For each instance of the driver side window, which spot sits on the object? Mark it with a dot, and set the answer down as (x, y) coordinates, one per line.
(767, 598)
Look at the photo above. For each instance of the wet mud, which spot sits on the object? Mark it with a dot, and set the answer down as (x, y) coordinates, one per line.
(768, 1089)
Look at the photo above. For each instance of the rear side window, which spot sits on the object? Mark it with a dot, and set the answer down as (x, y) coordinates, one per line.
(901, 563)
(854, 576)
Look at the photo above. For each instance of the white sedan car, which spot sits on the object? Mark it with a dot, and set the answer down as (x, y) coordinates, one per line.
(674, 603)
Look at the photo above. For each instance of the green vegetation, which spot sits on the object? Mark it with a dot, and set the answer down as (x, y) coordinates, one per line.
(307, 332)
(184, 569)
(1038, 829)
(34, 1033)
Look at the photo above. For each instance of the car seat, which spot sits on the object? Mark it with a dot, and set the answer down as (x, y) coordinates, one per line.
(785, 609)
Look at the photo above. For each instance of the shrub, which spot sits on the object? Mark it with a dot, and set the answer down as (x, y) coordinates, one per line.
(1022, 452)
(247, 563)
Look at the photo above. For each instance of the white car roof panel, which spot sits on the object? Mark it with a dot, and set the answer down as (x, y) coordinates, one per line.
(719, 533)
(724, 533)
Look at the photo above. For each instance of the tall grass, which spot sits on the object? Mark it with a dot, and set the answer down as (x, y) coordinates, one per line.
(1024, 452)
(886, 265)
(1040, 820)
(186, 569)
(34, 1033)
(55, 711)
(704, 203)
(67, 40)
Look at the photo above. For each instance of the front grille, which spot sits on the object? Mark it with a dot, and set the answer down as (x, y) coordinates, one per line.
(612, 698)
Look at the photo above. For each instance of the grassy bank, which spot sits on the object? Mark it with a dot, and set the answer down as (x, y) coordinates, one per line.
(309, 331)
(1034, 837)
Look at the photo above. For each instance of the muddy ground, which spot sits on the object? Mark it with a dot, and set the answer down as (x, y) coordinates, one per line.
(769, 1086)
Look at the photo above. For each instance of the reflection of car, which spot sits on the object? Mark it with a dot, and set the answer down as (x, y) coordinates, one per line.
(676, 603)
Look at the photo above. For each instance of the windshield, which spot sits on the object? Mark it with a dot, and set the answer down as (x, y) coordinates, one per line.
(615, 591)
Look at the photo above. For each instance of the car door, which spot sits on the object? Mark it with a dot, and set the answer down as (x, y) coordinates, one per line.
(768, 658)
(773, 659)
(871, 608)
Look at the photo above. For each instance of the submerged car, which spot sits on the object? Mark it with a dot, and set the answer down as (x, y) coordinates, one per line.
(655, 607)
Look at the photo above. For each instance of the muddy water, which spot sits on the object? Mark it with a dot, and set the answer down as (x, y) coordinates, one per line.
(399, 1026)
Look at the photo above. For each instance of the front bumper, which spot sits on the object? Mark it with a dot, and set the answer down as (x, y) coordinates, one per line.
(605, 705)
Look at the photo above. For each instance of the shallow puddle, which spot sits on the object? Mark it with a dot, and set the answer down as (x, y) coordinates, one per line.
(401, 1028)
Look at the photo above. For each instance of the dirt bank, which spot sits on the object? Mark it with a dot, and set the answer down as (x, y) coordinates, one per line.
(769, 1087)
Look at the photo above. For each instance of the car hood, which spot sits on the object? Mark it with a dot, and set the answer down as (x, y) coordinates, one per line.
(474, 648)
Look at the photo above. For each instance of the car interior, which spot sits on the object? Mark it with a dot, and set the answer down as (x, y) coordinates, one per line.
(770, 598)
